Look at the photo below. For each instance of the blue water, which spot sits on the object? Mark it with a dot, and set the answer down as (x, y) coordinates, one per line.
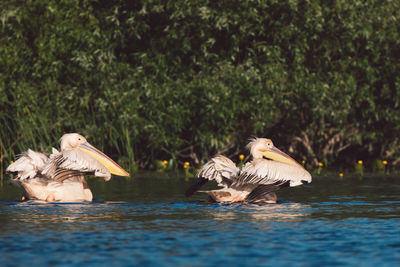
(146, 221)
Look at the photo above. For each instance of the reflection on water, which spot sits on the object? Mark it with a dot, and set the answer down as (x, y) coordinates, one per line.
(148, 221)
(278, 212)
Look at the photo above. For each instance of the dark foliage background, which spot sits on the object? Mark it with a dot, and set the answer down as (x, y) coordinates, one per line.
(184, 80)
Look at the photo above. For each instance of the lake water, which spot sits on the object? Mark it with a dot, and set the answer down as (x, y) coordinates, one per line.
(146, 221)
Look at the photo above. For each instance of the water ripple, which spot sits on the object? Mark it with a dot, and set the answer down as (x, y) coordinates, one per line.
(309, 227)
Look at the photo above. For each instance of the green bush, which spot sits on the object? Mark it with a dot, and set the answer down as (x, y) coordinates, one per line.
(146, 80)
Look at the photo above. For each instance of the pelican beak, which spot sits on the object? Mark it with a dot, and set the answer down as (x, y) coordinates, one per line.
(113, 167)
(277, 155)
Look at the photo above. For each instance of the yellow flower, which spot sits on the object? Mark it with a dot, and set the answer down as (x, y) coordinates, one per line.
(384, 162)
(165, 162)
(186, 165)
(12, 162)
(360, 162)
(341, 174)
(303, 161)
(320, 164)
(241, 157)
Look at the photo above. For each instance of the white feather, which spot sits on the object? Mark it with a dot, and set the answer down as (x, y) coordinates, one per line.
(262, 171)
(218, 168)
(67, 191)
(28, 164)
(75, 159)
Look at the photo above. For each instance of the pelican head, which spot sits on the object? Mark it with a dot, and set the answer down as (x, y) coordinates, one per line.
(74, 140)
(263, 147)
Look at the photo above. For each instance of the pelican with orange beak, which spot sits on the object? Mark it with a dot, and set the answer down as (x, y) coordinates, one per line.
(60, 176)
(257, 181)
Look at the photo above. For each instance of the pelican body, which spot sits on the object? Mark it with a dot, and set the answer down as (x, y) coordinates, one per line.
(257, 181)
(60, 175)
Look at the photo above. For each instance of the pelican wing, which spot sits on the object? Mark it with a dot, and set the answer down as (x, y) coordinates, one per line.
(28, 165)
(220, 169)
(265, 172)
(73, 162)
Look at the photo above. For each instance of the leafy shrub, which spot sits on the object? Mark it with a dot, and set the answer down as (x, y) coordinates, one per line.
(147, 80)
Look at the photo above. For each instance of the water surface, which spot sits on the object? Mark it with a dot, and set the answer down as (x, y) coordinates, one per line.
(147, 221)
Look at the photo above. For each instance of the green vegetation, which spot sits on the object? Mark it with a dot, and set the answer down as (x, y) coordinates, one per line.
(182, 80)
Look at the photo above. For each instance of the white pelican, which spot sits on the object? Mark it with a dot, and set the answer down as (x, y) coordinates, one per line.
(60, 176)
(257, 181)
